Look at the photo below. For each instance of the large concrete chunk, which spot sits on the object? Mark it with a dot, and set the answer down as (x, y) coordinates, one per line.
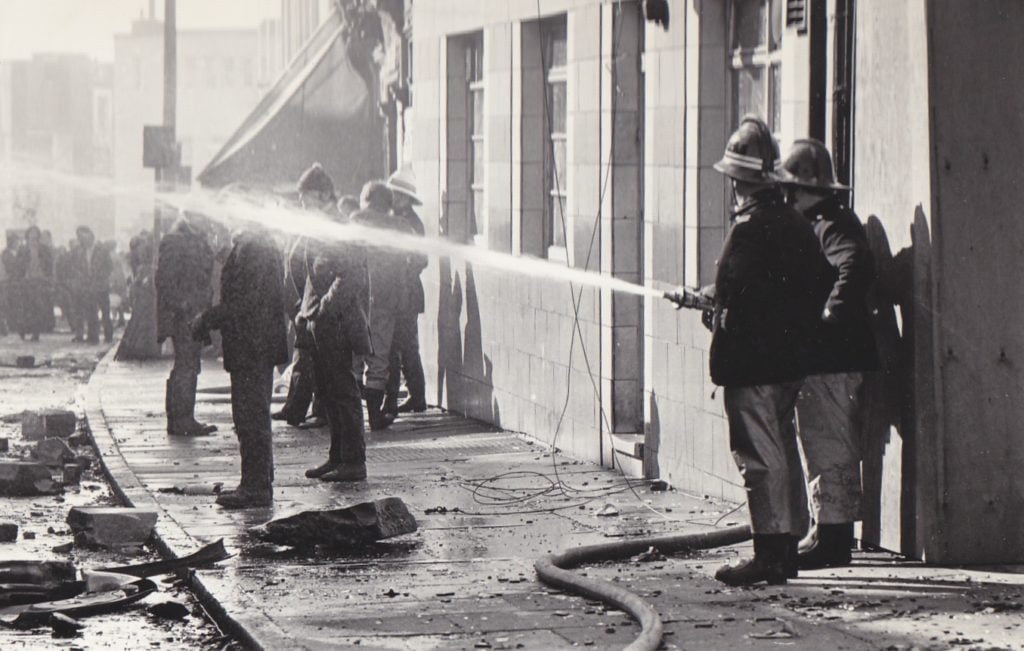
(36, 425)
(53, 452)
(23, 478)
(353, 525)
(111, 526)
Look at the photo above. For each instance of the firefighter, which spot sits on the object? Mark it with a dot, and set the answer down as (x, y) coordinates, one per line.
(251, 320)
(184, 288)
(829, 405)
(765, 300)
(405, 347)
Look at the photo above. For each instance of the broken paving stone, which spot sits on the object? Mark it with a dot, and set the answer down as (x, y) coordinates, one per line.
(29, 535)
(64, 626)
(78, 439)
(48, 423)
(72, 474)
(111, 526)
(24, 478)
(63, 549)
(354, 525)
(607, 511)
(53, 452)
(169, 610)
(8, 532)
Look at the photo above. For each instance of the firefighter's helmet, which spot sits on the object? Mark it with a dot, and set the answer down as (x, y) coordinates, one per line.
(751, 153)
(809, 165)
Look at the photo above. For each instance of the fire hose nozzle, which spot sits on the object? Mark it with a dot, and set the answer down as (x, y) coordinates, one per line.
(688, 298)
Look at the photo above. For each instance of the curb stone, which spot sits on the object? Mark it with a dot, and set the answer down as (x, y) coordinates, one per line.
(245, 621)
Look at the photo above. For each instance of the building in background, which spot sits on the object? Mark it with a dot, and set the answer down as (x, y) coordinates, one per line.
(282, 37)
(55, 114)
(218, 83)
(578, 132)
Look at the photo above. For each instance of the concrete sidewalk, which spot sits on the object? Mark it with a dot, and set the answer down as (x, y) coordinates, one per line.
(465, 579)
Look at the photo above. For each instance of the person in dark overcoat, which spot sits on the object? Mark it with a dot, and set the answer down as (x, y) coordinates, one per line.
(251, 319)
(333, 316)
(33, 275)
(184, 289)
(91, 267)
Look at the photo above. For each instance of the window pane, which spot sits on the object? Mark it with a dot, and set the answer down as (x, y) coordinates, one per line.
(748, 92)
(749, 24)
(558, 174)
(556, 208)
(477, 151)
(478, 210)
(556, 92)
(775, 111)
(555, 43)
(477, 100)
(776, 24)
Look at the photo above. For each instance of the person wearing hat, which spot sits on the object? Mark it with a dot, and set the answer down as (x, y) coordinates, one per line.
(766, 295)
(251, 320)
(316, 192)
(829, 405)
(405, 345)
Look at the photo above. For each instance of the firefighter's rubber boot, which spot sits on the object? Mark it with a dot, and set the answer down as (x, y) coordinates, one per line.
(767, 565)
(374, 404)
(827, 546)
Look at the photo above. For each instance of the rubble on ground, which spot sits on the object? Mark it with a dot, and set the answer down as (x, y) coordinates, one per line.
(53, 452)
(47, 423)
(111, 527)
(25, 479)
(350, 526)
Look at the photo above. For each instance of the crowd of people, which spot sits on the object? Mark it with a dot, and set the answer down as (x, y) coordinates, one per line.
(36, 277)
(351, 310)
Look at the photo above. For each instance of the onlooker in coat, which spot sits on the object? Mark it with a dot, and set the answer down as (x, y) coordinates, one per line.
(92, 266)
(767, 298)
(405, 345)
(139, 339)
(46, 238)
(829, 406)
(250, 317)
(63, 273)
(316, 192)
(33, 276)
(333, 316)
(8, 317)
(387, 270)
(183, 290)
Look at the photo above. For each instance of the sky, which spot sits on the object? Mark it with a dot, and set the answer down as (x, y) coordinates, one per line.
(88, 26)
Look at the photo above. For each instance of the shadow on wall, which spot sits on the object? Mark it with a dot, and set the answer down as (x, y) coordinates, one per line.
(465, 376)
(892, 405)
(652, 438)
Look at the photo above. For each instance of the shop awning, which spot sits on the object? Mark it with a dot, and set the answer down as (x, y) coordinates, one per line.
(320, 109)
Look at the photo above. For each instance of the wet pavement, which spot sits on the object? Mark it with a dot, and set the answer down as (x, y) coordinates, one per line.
(488, 504)
(56, 380)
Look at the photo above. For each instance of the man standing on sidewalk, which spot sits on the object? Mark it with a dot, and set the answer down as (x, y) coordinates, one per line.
(766, 301)
(91, 266)
(829, 406)
(250, 317)
(405, 345)
(333, 316)
(184, 277)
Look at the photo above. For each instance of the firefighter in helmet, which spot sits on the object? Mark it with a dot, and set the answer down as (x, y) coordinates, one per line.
(829, 405)
(766, 299)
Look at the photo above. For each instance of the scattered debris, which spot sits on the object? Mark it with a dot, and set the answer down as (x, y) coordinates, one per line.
(25, 361)
(78, 439)
(169, 610)
(111, 526)
(441, 510)
(24, 478)
(63, 549)
(783, 632)
(53, 452)
(48, 423)
(72, 474)
(658, 486)
(64, 626)
(194, 489)
(607, 511)
(82, 605)
(649, 556)
(354, 525)
(8, 532)
(29, 535)
(208, 555)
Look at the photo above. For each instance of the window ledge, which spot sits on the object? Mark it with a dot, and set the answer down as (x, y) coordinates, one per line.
(558, 254)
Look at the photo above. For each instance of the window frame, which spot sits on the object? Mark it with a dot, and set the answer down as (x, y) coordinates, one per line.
(556, 182)
(766, 56)
(475, 137)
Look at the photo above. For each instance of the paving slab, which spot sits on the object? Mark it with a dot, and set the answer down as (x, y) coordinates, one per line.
(488, 504)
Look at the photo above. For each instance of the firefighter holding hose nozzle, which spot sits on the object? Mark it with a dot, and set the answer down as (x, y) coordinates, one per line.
(764, 303)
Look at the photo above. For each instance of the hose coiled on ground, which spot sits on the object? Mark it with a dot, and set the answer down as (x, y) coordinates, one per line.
(554, 571)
